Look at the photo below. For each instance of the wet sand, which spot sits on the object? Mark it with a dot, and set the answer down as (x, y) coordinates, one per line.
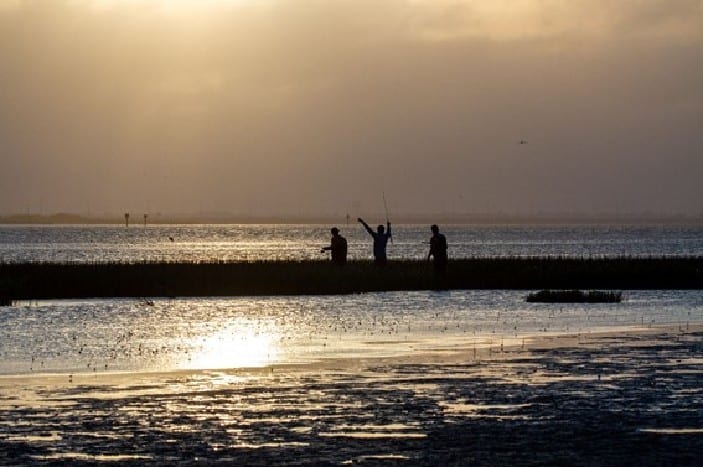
(631, 397)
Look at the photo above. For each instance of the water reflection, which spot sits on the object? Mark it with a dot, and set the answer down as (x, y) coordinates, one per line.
(242, 344)
(298, 242)
(216, 333)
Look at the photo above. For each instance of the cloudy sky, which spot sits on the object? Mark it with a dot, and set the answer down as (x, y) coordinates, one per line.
(320, 106)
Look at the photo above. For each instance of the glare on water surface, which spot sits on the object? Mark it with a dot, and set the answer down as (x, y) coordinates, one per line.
(112, 335)
(302, 242)
(237, 346)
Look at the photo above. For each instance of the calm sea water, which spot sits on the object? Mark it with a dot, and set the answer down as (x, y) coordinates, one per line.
(241, 332)
(278, 242)
(131, 335)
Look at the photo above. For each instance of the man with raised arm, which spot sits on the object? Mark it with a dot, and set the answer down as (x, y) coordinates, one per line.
(380, 240)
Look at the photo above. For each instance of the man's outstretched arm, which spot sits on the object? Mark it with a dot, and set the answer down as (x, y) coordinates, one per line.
(366, 226)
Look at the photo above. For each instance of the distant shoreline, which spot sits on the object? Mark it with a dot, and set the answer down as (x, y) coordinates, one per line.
(137, 219)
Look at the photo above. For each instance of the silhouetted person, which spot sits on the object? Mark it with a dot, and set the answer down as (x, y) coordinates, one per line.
(338, 247)
(438, 249)
(380, 240)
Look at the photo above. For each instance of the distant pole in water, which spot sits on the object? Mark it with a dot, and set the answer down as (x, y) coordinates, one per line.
(126, 219)
(145, 216)
(348, 217)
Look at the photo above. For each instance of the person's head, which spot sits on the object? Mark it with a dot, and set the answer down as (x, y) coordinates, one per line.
(335, 231)
(434, 229)
(380, 229)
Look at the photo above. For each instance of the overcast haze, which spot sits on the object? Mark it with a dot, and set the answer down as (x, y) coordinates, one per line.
(316, 107)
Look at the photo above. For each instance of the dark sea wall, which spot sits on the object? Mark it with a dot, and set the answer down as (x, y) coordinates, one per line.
(43, 281)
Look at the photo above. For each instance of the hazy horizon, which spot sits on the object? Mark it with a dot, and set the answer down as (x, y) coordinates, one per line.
(318, 108)
(136, 219)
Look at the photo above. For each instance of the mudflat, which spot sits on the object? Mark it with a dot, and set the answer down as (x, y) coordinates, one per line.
(627, 397)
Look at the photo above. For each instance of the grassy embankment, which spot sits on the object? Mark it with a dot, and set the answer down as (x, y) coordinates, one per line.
(42, 281)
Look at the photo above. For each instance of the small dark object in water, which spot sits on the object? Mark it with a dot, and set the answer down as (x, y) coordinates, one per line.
(574, 296)
(5, 300)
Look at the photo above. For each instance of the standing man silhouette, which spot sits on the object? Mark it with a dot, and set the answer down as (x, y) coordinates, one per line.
(380, 240)
(438, 249)
(338, 247)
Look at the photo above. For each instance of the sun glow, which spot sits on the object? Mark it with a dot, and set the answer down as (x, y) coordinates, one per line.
(201, 3)
(176, 5)
(236, 347)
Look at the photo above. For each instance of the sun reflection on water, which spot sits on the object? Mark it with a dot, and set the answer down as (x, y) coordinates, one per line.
(240, 345)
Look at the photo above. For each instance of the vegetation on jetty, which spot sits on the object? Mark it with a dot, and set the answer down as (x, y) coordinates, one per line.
(574, 296)
(41, 280)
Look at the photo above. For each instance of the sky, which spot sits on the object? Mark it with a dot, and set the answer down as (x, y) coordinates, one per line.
(320, 107)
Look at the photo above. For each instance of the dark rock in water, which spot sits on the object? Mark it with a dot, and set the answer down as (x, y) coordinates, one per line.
(574, 296)
(5, 300)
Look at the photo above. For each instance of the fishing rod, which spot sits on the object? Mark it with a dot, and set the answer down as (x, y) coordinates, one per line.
(385, 206)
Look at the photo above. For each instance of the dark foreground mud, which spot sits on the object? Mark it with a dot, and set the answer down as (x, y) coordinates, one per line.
(597, 400)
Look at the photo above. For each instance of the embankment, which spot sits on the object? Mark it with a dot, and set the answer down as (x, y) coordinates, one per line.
(46, 281)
